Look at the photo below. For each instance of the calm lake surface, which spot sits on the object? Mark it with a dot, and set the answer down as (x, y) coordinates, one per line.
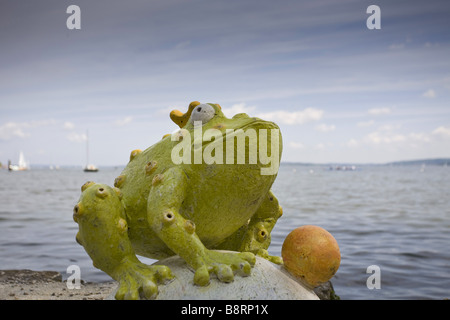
(397, 218)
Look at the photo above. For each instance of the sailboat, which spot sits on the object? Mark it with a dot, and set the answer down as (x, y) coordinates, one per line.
(89, 167)
(21, 166)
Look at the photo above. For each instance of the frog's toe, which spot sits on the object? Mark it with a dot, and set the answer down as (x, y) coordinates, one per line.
(224, 265)
(276, 260)
(162, 274)
(140, 281)
(224, 273)
(201, 276)
(245, 268)
(128, 290)
(149, 290)
(133, 289)
(265, 254)
(249, 257)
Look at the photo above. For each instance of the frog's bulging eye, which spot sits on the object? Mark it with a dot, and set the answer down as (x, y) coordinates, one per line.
(203, 113)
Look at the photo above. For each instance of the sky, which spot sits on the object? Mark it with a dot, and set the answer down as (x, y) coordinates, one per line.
(339, 91)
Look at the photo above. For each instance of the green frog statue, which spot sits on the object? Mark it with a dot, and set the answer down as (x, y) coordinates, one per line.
(202, 192)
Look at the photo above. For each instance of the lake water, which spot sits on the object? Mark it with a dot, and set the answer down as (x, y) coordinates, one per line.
(397, 218)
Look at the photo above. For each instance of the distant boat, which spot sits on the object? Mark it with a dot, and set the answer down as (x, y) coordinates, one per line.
(21, 166)
(89, 167)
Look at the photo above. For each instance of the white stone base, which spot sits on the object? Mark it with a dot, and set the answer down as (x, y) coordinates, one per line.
(267, 281)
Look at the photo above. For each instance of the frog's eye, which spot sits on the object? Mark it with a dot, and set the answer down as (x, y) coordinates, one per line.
(203, 113)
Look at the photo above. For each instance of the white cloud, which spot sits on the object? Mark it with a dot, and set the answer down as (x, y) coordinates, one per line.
(429, 94)
(378, 137)
(319, 146)
(293, 117)
(325, 128)
(390, 137)
(10, 130)
(352, 143)
(419, 137)
(442, 131)
(124, 121)
(68, 125)
(296, 145)
(379, 111)
(365, 123)
(237, 108)
(77, 137)
(396, 46)
(389, 127)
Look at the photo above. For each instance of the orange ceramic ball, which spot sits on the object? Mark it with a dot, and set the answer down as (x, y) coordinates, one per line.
(312, 254)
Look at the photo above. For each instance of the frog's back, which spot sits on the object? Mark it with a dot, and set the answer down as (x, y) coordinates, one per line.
(136, 179)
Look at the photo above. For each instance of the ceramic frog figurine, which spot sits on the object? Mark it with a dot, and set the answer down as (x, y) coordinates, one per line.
(199, 211)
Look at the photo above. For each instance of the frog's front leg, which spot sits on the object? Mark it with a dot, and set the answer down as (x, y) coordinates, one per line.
(166, 196)
(103, 232)
(255, 237)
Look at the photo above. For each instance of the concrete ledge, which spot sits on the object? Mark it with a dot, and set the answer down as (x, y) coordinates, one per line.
(47, 285)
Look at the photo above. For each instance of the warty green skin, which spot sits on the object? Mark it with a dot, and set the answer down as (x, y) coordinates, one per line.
(158, 209)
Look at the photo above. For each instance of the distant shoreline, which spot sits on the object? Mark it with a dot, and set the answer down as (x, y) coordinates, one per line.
(417, 162)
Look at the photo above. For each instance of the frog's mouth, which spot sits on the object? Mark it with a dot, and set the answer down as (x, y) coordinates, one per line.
(258, 123)
(254, 128)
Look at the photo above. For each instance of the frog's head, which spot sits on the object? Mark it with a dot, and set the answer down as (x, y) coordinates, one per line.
(250, 140)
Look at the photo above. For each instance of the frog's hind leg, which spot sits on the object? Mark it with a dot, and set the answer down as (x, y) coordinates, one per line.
(255, 236)
(103, 232)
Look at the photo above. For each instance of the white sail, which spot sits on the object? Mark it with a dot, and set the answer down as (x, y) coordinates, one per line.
(21, 165)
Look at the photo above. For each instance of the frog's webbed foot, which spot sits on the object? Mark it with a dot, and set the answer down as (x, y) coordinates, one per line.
(224, 265)
(265, 254)
(137, 280)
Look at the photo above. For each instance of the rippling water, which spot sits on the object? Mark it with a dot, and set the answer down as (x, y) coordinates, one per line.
(397, 218)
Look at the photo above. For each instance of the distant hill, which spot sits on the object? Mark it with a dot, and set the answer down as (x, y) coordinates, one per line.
(428, 162)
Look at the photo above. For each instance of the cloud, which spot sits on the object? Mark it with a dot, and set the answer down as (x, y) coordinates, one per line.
(352, 143)
(77, 137)
(396, 46)
(379, 138)
(68, 125)
(365, 123)
(10, 130)
(237, 108)
(124, 121)
(295, 117)
(325, 128)
(296, 145)
(429, 94)
(391, 137)
(419, 137)
(379, 111)
(319, 146)
(442, 131)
